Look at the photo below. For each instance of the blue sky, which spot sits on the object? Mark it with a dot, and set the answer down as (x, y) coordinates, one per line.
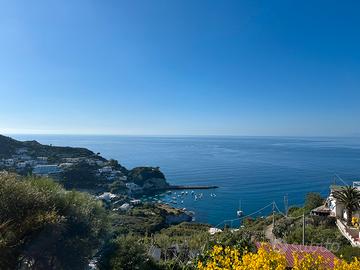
(180, 67)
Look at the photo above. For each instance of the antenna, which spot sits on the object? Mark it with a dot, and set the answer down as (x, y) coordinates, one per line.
(341, 179)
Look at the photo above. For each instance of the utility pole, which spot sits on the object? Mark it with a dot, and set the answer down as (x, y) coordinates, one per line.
(286, 204)
(303, 229)
(273, 221)
(273, 214)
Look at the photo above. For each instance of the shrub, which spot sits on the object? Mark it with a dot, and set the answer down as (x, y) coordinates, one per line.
(44, 226)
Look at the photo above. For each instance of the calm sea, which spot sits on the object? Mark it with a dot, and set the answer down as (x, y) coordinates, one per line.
(255, 170)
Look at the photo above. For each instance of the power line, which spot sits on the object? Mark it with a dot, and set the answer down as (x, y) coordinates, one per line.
(236, 219)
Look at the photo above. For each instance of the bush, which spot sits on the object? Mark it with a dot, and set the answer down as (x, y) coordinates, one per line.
(348, 253)
(126, 253)
(312, 201)
(45, 226)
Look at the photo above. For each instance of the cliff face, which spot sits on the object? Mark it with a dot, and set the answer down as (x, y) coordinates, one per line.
(150, 178)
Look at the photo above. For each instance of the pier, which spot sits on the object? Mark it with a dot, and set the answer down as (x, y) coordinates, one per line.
(191, 187)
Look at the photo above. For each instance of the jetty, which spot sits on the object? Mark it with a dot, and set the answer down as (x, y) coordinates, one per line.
(177, 187)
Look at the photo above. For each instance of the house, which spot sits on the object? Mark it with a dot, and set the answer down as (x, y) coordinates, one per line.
(106, 169)
(46, 169)
(107, 196)
(9, 162)
(212, 231)
(337, 209)
(322, 211)
(25, 157)
(21, 165)
(72, 160)
(42, 160)
(123, 178)
(125, 207)
(135, 202)
(132, 187)
(100, 163)
(66, 165)
(301, 250)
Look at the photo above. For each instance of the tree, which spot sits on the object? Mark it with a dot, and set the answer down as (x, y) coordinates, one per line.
(282, 227)
(126, 253)
(350, 197)
(313, 200)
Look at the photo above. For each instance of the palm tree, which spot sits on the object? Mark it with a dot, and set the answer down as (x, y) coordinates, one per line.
(350, 197)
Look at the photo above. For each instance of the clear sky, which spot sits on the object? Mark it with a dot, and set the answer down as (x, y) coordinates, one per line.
(180, 67)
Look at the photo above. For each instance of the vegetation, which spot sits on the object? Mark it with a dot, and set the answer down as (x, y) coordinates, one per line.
(126, 253)
(312, 201)
(80, 175)
(227, 258)
(9, 147)
(318, 230)
(350, 197)
(45, 227)
(148, 177)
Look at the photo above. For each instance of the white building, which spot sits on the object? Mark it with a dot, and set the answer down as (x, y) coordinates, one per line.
(106, 169)
(132, 187)
(66, 165)
(21, 165)
(337, 209)
(123, 178)
(9, 162)
(107, 196)
(100, 163)
(46, 169)
(42, 160)
(72, 160)
(213, 230)
(135, 202)
(125, 207)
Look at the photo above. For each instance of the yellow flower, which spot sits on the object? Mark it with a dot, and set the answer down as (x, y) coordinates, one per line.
(266, 258)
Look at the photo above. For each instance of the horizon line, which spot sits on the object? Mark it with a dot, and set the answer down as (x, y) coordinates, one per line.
(179, 135)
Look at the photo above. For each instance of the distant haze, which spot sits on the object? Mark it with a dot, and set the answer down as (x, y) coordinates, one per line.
(180, 67)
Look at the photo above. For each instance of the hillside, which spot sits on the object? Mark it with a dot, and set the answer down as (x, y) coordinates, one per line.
(10, 147)
(78, 168)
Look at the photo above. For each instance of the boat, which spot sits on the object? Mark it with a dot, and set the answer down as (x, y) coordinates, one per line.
(239, 212)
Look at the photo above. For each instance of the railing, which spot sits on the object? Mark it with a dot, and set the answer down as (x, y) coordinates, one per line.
(346, 234)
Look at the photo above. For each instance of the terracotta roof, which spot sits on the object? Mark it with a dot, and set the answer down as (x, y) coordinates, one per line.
(289, 249)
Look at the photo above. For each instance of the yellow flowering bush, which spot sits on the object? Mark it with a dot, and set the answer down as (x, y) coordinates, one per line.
(343, 265)
(355, 222)
(266, 258)
(226, 258)
(308, 261)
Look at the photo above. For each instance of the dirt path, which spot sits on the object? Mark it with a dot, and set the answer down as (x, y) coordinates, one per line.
(269, 235)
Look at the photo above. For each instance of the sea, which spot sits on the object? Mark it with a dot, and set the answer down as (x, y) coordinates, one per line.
(251, 172)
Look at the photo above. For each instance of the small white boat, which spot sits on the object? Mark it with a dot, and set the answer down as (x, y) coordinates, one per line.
(239, 212)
